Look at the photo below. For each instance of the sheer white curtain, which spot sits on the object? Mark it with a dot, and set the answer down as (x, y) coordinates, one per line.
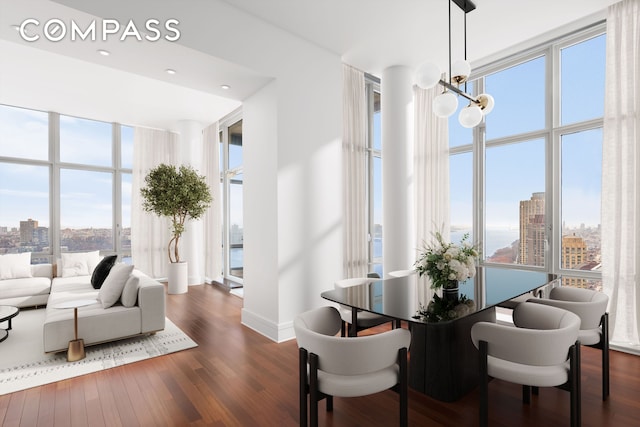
(431, 168)
(211, 219)
(354, 172)
(620, 173)
(150, 234)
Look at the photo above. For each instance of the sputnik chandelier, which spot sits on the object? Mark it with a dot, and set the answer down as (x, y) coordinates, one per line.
(445, 104)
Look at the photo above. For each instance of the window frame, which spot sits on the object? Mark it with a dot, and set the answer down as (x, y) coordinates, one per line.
(551, 133)
(372, 86)
(54, 165)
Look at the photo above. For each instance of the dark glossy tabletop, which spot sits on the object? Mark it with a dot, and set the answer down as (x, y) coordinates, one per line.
(397, 297)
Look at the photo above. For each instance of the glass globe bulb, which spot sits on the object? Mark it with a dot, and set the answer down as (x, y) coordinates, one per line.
(445, 104)
(428, 75)
(486, 103)
(470, 116)
(460, 71)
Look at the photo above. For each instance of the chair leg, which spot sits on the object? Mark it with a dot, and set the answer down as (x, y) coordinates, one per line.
(302, 358)
(575, 390)
(313, 390)
(343, 328)
(604, 338)
(526, 394)
(404, 387)
(484, 385)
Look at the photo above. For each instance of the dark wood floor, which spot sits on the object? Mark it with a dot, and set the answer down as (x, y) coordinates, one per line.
(236, 377)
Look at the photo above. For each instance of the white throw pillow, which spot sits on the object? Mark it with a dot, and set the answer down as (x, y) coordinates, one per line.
(15, 266)
(79, 263)
(113, 285)
(130, 291)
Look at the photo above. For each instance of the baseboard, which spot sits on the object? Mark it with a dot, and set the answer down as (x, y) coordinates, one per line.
(275, 332)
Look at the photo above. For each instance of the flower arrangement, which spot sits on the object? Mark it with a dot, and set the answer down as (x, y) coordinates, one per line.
(447, 263)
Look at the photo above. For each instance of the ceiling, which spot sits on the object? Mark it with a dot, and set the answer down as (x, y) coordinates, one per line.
(73, 78)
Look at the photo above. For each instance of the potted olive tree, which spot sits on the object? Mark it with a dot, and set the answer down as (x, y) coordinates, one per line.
(179, 194)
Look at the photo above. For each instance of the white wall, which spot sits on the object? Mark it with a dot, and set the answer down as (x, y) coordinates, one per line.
(292, 194)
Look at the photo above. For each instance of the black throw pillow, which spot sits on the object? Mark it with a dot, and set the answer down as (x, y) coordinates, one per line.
(102, 270)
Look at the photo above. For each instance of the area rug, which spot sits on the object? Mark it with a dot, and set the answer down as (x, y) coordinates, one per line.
(23, 363)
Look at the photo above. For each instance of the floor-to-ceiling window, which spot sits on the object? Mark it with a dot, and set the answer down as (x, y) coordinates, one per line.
(231, 181)
(374, 182)
(526, 182)
(65, 184)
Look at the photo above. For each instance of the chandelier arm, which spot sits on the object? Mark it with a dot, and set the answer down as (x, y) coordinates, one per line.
(458, 91)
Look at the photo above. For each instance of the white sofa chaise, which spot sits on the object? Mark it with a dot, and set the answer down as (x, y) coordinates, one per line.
(27, 291)
(95, 323)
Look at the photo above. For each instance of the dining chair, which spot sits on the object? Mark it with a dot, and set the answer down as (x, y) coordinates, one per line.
(541, 350)
(591, 307)
(402, 273)
(347, 367)
(364, 319)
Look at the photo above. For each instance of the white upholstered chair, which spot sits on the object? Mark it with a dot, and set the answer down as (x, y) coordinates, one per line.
(365, 319)
(330, 365)
(540, 351)
(591, 307)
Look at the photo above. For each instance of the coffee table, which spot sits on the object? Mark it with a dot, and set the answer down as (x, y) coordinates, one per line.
(75, 351)
(7, 312)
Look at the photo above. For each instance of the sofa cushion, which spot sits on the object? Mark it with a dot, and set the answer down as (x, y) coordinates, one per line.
(130, 291)
(15, 266)
(113, 285)
(79, 263)
(102, 271)
(13, 288)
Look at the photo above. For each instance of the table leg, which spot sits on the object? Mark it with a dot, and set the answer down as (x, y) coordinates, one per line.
(75, 351)
(353, 329)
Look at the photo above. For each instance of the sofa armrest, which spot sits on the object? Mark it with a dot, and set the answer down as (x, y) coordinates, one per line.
(151, 300)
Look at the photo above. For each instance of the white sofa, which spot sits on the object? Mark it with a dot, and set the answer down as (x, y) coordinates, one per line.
(27, 291)
(95, 323)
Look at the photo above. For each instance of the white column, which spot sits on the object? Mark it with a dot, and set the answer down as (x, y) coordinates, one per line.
(397, 168)
(191, 243)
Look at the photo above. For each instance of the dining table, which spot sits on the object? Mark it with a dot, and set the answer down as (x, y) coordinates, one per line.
(443, 362)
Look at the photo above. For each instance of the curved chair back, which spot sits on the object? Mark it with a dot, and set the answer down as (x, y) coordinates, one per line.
(315, 331)
(588, 304)
(542, 336)
(402, 273)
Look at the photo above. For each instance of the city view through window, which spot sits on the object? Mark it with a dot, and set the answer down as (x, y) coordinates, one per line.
(542, 182)
(85, 176)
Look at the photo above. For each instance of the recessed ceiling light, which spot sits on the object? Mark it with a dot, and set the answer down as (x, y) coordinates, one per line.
(225, 87)
(104, 52)
(170, 71)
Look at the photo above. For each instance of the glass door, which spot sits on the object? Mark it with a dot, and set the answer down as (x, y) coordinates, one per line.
(232, 179)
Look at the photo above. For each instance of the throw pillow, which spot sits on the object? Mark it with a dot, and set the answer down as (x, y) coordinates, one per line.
(79, 263)
(102, 271)
(130, 292)
(113, 285)
(15, 266)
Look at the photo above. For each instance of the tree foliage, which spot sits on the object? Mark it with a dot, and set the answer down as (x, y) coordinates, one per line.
(176, 193)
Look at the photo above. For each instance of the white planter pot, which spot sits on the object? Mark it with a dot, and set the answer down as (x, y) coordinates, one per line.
(178, 277)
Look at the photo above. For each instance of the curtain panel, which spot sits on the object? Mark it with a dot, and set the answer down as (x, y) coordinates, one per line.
(431, 168)
(150, 234)
(212, 218)
(354, 174)
(621, 173)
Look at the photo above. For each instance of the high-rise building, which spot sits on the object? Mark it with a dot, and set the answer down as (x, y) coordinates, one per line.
(574, 255)
(532, 230)
(27, 231)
